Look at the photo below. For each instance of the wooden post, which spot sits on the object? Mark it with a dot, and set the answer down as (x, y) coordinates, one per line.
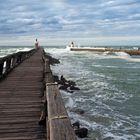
(14, 60)
(8, 65)
(59, 126)
(47, 66)
(49, 78)
(1, 67)
(48, 72)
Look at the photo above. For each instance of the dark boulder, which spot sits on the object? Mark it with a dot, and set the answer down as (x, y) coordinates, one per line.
(63, 79)
(76, 125)
(64, 87)
(74, 88)
(71, 83)
(81, 132)
(79, 111)
(52, 60)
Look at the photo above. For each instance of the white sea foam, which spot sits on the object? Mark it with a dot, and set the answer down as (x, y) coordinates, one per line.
(134, 59)
(116, 137)
(56, 51)
(123, 54)
(4, 52)
(1, 55)
(70, 102)
(127, 57)
(120, 54)
(23, 49)
(7, 51)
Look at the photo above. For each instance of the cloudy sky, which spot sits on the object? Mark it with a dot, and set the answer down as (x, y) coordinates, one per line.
(96, 22)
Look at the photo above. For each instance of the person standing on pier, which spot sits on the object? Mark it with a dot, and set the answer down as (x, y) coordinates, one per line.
(36, 44)
(72, 44)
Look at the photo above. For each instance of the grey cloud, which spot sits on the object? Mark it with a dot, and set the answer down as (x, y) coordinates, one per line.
(92, 17)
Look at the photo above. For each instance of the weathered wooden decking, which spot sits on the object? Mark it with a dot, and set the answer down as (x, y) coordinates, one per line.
(20, 101)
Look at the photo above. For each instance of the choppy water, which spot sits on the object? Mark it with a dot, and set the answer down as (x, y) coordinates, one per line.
(5, 50)
(109, 95)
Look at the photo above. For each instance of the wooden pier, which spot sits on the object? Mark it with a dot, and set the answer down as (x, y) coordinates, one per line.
(26, 81)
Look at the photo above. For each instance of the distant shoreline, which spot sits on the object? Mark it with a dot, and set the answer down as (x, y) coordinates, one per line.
(96, 46)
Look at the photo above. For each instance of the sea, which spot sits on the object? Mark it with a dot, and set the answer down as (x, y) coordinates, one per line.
(109, 95)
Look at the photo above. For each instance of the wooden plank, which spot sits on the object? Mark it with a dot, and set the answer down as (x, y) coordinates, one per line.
(49, 78)
(48, 72)
(61, 129)
(47, 66)
(58, 121)
(55, 102)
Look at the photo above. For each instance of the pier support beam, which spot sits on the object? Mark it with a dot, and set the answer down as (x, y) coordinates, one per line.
(59, 126)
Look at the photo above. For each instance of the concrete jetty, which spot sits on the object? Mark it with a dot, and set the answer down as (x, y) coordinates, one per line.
(129, 51)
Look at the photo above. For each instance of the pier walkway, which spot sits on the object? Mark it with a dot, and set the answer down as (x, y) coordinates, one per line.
(31, 106)
(20, 101)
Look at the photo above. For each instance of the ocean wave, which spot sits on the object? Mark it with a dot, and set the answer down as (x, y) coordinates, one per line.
(10, 50)
(104, 94)
(112, 136)
(23, 49)
(57, 52)
(120, 54)
(123, 54)
(134, 59)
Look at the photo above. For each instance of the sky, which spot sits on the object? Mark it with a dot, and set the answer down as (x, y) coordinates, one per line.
(56, 22)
